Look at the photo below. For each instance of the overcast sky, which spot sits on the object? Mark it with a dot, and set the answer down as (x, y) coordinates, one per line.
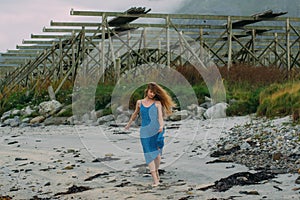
(21, 18)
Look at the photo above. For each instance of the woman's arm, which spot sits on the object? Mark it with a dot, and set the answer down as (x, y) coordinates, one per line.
(160, 116)
(134, 114)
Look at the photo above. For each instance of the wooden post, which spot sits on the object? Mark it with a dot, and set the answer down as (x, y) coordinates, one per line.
(103, 46)
(253, 47)
(53, 56)
(111, 49)
(276, 49)
(201, 43)
(118, 69)
(51, 93)
(168, 40)
(180, 49)
(45, 64)
(201, 37)
(159, 51)
(229, 36)
(73, 58)
(145, 44)
(83, 54)
(60, 69)
(128, 50)
(288, 52)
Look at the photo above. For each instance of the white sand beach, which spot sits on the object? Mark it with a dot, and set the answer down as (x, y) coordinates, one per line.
(107, 162)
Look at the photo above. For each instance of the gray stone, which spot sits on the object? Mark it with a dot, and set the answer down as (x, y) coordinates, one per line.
(200, 112)
(15, 112)
(245, 145)
(192, 107)
(216, 111)
(7, 122)
(86, 118)
(179, 115)
(27, 111)
(49, 107)
(15, 122)
(37, 120)
(93, 115)
(99, 113)
(105, 119)
(122, 118)
(56, 121)
(5, 115)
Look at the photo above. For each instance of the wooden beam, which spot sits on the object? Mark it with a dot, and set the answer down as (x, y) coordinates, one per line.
(173, 16)
(2, 65)
(21, 54)
(79, 24)
(67, 30)
(17, 61)
(24, 51)
(35, 47)
(45, 36)
(39, 42)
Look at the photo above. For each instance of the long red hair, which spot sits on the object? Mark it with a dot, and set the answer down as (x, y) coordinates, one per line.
(161, 95)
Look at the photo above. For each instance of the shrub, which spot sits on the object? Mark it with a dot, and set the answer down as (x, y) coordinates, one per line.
(280, 100)
(103, 95)
(66, 112)
(240, 108)
(253, 75)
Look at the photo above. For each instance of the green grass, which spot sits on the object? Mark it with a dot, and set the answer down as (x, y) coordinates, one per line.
(279, 100)
(261, 90)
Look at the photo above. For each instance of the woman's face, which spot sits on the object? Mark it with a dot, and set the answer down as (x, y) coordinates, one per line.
(150, 94)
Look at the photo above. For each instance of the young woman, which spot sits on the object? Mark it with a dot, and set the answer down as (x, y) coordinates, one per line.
(155, 105)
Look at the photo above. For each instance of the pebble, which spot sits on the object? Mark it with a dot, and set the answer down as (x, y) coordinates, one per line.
(264, 144)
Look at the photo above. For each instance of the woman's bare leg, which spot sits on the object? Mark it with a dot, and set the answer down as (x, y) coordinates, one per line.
(153, 173)
(157, 163)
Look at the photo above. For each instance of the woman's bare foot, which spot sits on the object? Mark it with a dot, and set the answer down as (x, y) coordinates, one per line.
(155, 179)
(157, 174)
(155, 184)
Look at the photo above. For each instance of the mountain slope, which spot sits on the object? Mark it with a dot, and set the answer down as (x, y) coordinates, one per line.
(239, 7)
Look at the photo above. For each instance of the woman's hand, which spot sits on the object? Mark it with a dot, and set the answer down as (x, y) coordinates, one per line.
(134, 115)
(160, 116)
(160, 129)
(127, 126)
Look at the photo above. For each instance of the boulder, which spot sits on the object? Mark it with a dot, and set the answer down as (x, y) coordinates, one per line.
(199, 112)
(27, 111)
(15, 122)
(5, 116)
(37, 120)
(49, 107)
(56, 121)
(179, 115)
(122, 118)
(216, 111)
(15, 112)
(105, 119)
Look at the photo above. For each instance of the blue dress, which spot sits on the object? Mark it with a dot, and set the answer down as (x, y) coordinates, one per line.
(152, 141)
